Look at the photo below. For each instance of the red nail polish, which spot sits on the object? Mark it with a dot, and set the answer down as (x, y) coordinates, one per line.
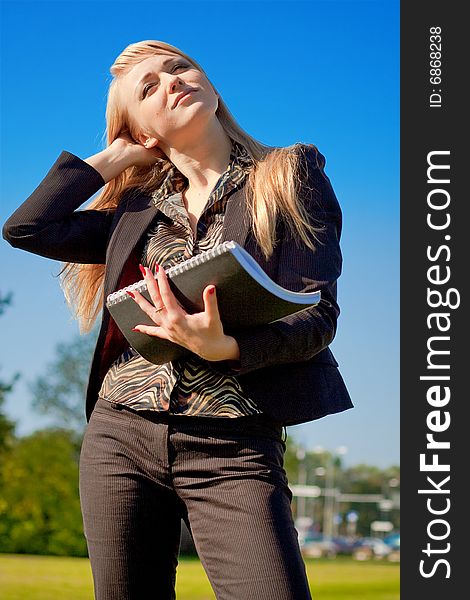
(142, 270)
(212, 290)
(130, 294)
(134, 329)
(156, 268)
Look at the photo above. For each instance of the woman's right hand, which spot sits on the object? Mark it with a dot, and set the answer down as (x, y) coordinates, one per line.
(121, 154)
(136, 154)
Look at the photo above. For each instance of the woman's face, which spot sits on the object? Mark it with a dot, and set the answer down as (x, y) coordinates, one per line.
(151, 89)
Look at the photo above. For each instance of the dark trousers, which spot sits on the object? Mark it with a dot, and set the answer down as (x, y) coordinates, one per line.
(142, 472)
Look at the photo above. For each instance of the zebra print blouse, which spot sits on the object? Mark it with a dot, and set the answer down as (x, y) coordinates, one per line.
(187, 386)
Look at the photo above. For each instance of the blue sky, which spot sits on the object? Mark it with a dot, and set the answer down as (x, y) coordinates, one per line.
(325, 73)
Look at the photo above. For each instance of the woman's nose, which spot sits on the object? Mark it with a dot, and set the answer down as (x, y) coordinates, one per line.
(174, 82)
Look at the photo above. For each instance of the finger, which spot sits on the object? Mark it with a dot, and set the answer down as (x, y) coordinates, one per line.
(145, 305)
(210, 303)
(150, 330)
(167, 296)
(152, 286)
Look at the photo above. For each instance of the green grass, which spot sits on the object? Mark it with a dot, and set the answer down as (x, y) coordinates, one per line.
(27, 577)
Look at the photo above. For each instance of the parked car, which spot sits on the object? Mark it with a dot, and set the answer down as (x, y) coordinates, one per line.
(317, 546)
(344, 545)
(369, 547)
(393, 540)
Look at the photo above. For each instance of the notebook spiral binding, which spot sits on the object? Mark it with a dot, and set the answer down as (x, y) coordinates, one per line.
(141, 285)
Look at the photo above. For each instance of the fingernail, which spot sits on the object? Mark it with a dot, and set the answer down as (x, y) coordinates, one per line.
(212, 290)
(130, 294)
(142, 270)
(156, 267)
(135, 329)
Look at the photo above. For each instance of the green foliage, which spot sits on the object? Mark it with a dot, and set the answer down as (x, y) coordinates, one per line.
(39, 496)
(39, 503)
(366, 479)
(5, 301)
(360, 479)
(7, 427)
(60, 392)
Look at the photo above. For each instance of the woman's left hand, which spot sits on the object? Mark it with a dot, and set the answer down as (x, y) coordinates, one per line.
(202, 333)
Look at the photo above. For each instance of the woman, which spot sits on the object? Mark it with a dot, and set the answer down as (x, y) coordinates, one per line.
(198, 438)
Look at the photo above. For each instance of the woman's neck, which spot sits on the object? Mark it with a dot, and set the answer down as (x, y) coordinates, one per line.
(204, 162)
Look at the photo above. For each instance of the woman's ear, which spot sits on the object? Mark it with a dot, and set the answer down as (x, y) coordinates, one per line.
(144, 140)
(149, 142)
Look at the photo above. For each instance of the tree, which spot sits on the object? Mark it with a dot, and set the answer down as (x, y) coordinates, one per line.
(40, 507)
(61, 391)
(359, 479)
(7, 427)
(367, 479)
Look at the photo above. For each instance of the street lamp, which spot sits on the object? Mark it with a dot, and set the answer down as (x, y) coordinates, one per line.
(301, 480)
(331, 493)
(318, 472)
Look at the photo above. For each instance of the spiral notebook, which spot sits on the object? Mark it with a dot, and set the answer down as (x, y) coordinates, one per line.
(246, 297)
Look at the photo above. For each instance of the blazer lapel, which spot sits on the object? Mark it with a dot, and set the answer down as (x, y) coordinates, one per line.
(129, 230)
(140, 213)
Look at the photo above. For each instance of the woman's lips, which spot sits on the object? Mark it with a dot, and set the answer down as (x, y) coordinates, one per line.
(183, 97)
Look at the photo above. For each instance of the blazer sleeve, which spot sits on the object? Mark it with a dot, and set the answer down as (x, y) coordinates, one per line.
(48, 224)
(300, 336)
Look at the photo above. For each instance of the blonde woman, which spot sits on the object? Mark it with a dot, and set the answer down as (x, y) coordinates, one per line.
(198, 438)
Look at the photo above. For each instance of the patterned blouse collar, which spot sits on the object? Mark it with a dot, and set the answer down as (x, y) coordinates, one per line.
(175, 182)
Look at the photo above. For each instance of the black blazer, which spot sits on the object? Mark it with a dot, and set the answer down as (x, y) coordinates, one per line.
(286, 366)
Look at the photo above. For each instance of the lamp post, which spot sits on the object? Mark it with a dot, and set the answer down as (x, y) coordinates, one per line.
(318, 507)
(319, 472)
(301, 480)
(331, 493)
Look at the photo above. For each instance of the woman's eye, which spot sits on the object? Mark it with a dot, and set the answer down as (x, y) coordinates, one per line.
(145, 89)
(149, 85)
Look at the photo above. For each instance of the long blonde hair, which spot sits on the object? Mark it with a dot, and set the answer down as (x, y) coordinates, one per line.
(272, 185)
